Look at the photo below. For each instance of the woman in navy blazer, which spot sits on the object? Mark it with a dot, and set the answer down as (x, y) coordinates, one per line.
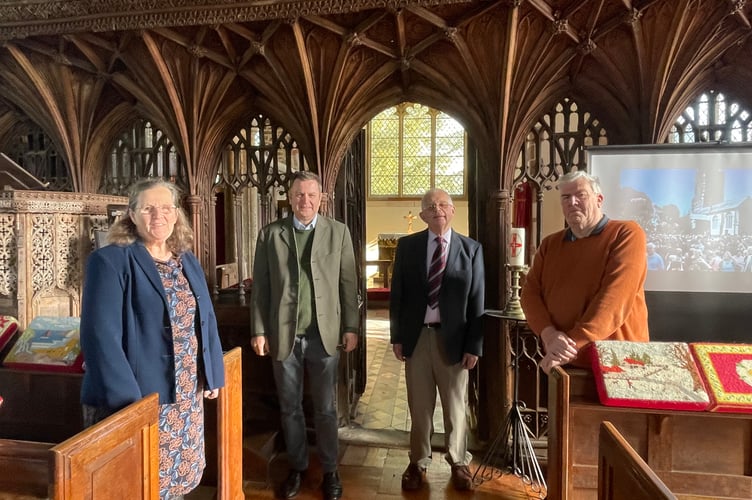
(148, 325)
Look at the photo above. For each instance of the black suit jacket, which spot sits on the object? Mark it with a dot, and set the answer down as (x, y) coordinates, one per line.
(461, 300)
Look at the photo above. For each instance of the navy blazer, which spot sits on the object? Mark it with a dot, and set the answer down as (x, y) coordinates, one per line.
(461, 299)
(126, 336)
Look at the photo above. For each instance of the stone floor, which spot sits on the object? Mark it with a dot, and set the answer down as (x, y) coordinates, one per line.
(383, 405)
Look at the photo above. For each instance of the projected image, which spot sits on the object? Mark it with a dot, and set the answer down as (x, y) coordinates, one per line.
(695, 206)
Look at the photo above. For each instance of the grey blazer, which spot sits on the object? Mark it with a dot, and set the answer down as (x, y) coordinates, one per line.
(461, 300)
(275, 289)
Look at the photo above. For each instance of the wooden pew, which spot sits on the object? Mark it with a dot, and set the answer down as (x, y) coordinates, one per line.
(229, 430)
(84, 465)
(116, 458)
(622, 473)
(696, 454)
(24, 468)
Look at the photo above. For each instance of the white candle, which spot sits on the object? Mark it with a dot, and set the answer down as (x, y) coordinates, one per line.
(517, 246)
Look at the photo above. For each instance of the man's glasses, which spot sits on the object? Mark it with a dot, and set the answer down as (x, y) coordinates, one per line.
(437, 206)
(153, 209)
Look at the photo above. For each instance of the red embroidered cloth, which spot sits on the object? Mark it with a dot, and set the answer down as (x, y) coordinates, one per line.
(727, 370)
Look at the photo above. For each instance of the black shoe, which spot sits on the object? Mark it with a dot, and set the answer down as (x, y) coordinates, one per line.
(291, 486)
(331, 486)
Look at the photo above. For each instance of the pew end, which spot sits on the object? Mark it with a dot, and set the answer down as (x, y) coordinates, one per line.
(622, 473)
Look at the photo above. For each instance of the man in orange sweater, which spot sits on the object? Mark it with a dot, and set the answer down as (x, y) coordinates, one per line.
(586, 282)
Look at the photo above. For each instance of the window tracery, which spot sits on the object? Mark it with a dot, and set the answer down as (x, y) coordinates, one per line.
(712, 117)
(142, 151)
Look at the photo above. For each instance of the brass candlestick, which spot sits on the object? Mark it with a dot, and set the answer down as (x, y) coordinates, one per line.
(513, 308)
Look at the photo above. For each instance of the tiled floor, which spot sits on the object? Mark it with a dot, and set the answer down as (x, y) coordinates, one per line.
(383, 404)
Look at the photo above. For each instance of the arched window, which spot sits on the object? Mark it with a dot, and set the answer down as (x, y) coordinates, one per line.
(712, 117)
(142, 151)
(413, 148)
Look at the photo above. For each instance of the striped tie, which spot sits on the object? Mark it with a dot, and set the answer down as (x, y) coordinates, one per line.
(436, 272)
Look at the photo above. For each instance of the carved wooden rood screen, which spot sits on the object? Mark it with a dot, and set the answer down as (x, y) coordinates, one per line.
(252, 179)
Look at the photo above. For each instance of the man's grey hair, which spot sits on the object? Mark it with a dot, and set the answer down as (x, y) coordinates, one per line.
(575, 175)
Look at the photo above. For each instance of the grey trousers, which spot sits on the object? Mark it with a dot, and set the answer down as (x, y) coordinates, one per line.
(426, 371)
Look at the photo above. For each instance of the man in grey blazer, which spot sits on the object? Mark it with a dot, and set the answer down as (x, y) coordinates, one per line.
(305, 307)
(436, 304)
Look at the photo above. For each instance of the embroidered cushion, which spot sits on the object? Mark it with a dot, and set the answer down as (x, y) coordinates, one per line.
(727, 370)
(660, 375)
(48, 343)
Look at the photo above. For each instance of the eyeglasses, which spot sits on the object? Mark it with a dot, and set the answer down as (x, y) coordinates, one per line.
(436, 206)
(153, 209)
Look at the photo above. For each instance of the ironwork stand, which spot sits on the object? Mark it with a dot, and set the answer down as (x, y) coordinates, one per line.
(511, 451)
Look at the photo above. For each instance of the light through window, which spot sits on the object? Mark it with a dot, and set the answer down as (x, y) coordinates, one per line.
(414, 148)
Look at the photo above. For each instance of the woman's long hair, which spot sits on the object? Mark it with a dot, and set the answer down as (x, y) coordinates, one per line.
(124, 232)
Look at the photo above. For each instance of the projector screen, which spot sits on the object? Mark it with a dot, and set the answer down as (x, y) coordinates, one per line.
(694, 203)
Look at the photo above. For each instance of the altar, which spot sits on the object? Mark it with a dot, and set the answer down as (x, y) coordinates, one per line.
(387, 244)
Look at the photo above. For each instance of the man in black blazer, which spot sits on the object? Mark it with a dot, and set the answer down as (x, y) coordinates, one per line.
(435, 321)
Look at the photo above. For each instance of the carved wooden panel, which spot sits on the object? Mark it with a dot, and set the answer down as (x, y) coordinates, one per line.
(45, 238)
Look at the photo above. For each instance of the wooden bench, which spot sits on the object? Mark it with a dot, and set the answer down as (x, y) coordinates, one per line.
(119, 457)
(622, 473)
(696, 454)
(116, 458)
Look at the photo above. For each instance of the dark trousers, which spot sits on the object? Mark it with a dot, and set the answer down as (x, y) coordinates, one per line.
(308, 354)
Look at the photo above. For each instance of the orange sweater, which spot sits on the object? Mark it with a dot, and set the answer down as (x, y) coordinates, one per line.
(590, 288)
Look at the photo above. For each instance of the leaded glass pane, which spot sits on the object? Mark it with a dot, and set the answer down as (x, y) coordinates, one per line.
(450, 184)
(384, 185)
(417, 146)
(450, 146)
(720, 110)
(416, 165)
(415, 185)
(383, 180)
(446, 126)
(385, 147)
(385, 127)
(429, 137)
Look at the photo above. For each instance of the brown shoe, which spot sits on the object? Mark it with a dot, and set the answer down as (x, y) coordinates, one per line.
(461, 478)
(413, 477)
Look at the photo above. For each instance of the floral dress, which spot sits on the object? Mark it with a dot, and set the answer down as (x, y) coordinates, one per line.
(181, 425)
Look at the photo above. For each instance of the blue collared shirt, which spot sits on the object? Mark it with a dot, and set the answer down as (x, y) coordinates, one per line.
(304, 227)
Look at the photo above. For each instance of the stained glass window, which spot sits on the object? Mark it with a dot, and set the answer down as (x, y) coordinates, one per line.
(414, 148)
